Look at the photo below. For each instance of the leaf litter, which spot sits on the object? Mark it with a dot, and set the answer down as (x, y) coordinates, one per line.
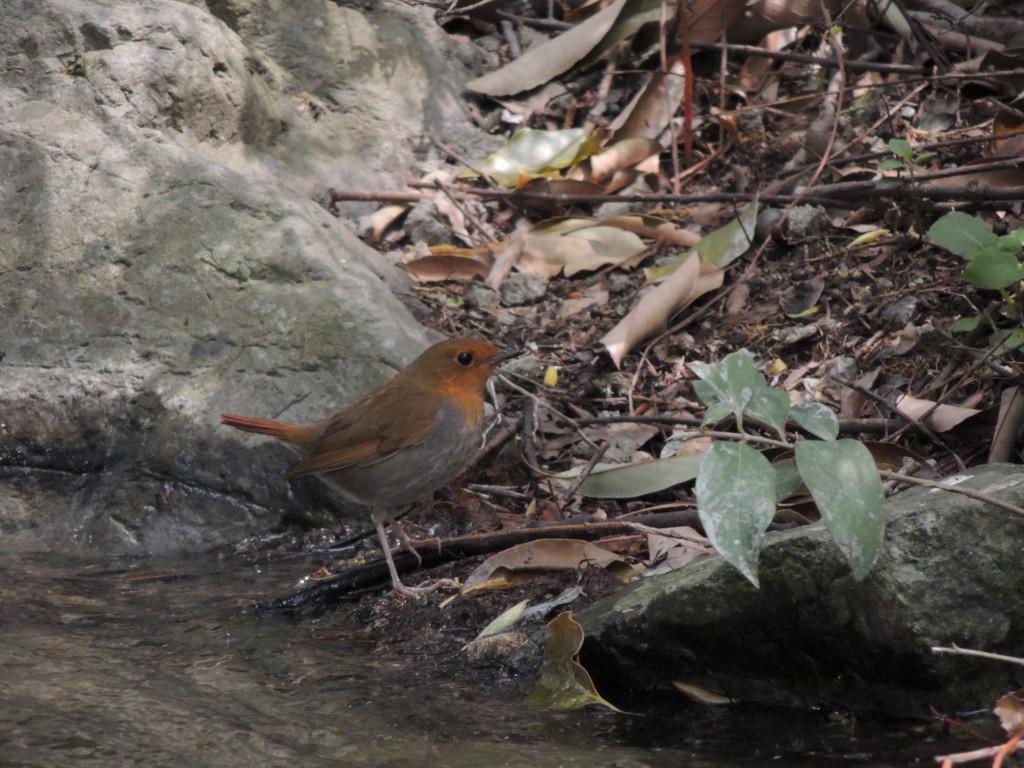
(685, 198)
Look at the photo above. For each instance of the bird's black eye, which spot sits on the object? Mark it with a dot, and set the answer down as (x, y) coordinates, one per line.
(465, 358)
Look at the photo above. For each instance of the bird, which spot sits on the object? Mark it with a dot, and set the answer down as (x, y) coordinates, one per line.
(400, 442)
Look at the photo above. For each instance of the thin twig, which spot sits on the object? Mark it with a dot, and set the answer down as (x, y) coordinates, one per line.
(971, 494)
(980, 654)
(584, 473)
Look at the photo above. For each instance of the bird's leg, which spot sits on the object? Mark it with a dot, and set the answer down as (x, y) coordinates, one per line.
(402, 537)
(380, 515)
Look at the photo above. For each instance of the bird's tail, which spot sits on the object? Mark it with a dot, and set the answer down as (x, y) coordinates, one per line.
(259, 426)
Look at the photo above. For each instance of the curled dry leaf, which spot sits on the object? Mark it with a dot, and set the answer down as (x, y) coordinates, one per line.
(669, 553)
(610, 162)
(942, 419)
(693, 279)
(546, 555)
(445, 267)
(659, 229)
(581, 250)
(649, 113)
(551, 58)
(532, 153)
(1010, 711)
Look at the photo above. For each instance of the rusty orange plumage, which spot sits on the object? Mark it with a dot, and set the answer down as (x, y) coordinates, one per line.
(403, 440)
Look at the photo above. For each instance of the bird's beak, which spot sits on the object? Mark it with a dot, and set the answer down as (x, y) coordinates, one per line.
(503, 355)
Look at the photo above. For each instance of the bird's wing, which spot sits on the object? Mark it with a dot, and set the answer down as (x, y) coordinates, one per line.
(381, 424)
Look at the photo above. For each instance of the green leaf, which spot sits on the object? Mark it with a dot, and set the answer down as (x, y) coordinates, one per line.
(1005, 341)
(716, 413)
(901, 148)
(816, 419)
(736, 502)
(770, 406)
(720, 247)
(962, 234)
(787, 479)
(965, 324)
(892, 164)
(1012, 241)
(729, 242)
(629, 481)
(531, 153)
(736, 382)
(993, 268)
(843, 479)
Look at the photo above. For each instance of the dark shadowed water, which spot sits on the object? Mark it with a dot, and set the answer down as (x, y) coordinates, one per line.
(159, 663)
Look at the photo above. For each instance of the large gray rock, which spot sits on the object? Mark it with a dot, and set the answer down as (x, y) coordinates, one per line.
(160, 262)
(951, 574)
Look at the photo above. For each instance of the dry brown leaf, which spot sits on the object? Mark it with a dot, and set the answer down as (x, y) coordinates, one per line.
(892, 457)
(619, 156)
(507, 254)
(1008, 425)
(709, 20)
(942, 419)
(669, 553)
(546, 555)
(1010, 711)
(596, 296)
(563, 187)
(755, 70)
(551, 58)
(654, 106)
(375, 224)
(693, 279)
(580, 250)
(664, 232)
(436, 268)
(764, 16)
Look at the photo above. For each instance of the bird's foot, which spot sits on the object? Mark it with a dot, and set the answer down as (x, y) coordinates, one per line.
(423, 588)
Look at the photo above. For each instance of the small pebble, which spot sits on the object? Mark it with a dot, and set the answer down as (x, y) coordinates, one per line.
(522, 288)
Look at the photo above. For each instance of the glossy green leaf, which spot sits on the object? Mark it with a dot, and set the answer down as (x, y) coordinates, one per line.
(816, 419)
(843, 479)
(736, 503)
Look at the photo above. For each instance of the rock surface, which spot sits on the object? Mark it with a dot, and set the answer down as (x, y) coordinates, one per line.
(162, 260)
(951, 574)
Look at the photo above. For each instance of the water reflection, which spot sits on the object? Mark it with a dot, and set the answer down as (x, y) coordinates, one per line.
(157, 663)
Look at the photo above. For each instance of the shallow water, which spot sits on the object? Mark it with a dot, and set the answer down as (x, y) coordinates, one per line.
(159, 663)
